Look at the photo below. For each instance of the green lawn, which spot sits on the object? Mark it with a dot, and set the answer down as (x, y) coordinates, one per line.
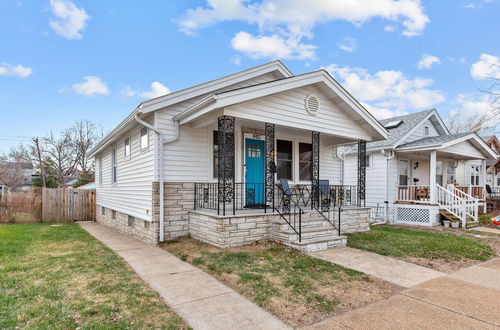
(404, 242)
(297, 288)
(59, 277)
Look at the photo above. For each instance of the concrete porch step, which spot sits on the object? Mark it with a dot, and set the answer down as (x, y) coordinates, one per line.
(471, 224)
(318, 244)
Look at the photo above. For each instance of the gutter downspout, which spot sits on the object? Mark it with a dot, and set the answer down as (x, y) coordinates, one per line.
(161, 142)
(389, 154)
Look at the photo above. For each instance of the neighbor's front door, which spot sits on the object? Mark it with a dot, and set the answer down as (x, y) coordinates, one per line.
(254, 173)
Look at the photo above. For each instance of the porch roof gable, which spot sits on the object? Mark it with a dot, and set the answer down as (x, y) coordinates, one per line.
(444, 141)
(221, 100)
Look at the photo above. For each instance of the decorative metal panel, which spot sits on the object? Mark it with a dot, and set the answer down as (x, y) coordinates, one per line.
(270, 166)
(226, 160)
(361, 172)
(315, 170)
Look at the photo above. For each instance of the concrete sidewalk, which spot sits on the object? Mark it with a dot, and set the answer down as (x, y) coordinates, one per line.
(197, 297)
(389, 269)
(467, 299)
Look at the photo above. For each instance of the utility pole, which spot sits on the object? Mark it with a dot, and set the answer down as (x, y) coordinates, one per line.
(39, 154)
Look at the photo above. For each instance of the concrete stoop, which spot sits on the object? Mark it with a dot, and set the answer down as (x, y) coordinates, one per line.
(317, 234)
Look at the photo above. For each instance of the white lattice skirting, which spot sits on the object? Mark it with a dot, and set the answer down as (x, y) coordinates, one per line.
(415, 215)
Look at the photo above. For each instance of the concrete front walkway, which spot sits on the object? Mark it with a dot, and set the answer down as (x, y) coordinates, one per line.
(197, 297)
(467, 299)
(389, 269)
(487, 230)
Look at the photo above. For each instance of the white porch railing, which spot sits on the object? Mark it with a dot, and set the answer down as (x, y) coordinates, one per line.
(458, 203)
(413, 193)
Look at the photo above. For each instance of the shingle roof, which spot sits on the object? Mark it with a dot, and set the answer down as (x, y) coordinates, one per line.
(434, 140)
(395, 134)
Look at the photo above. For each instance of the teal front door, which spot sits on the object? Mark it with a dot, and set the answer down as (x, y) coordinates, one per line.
(254, 174)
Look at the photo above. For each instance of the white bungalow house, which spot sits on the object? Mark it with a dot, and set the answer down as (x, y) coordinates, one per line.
(422, 171)
(245, 157)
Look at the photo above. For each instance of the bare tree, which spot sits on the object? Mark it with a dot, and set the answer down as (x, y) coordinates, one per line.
(63, 152)
(485, 124)
(84, 136)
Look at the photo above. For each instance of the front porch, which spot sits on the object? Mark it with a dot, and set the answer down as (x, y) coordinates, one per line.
(268, 185)
(433, 185)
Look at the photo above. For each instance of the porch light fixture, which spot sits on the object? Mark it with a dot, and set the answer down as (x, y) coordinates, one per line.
(416, 165)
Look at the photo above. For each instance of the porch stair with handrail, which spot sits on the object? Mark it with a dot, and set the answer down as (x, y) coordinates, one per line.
(456, 205)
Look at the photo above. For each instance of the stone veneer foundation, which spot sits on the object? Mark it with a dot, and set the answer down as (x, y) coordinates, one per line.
(145, 231)
(354, 219)
(221, 231)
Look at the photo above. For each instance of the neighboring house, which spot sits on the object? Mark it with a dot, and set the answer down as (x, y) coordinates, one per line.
(422, 170)
(16, 176)
(204, 161)
(493, 165)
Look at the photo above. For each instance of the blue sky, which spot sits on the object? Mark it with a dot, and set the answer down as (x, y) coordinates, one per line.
(63, 60)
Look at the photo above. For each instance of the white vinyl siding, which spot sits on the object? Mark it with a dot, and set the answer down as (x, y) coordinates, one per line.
(99, 171)
(288, 109)
(466, 149)
(375, 177)
(132, 192)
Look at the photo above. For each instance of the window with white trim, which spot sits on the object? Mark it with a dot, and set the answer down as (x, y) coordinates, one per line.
(100, 171)
(305, 161)
(474, 175)
(284, 159)
(144, 138)
(126, 148)
(113, 166)
(426, 130)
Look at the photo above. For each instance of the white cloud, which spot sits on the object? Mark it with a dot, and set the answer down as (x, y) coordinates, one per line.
(389, 28)
(15, 71)
(127, 91)
(487, 67)
(348, 44)
(91, 86)
(382, 113)
(69, 20)
(236, 59)
(157, 89)
(427, 61)
(271, 46)
(301, 16)
(388, 90)
(288, 22)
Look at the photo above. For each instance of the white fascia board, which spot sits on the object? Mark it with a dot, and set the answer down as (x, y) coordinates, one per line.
(249, 93)
(210, 86)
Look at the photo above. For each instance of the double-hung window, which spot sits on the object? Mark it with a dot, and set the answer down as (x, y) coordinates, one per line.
(474, 175)
(284, 159)
(305, 161)
(100, 171)
(113, 166)
(144, 138)
(126, 148)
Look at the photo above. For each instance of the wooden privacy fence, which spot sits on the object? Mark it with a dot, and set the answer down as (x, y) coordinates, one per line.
(48, 205)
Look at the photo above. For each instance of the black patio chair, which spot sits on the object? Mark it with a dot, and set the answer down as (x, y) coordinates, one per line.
(489, 190)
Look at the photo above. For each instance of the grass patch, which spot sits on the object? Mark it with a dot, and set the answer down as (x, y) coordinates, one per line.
(59, 277)
(404, 242)
(299, 289)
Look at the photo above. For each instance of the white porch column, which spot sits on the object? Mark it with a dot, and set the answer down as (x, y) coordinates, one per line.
(482, 182)
(432, 177)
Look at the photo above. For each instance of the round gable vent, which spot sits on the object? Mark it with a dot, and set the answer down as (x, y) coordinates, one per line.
(312, 104)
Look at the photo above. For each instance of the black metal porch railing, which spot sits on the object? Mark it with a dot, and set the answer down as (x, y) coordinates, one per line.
(288, 209)
(246, 196)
